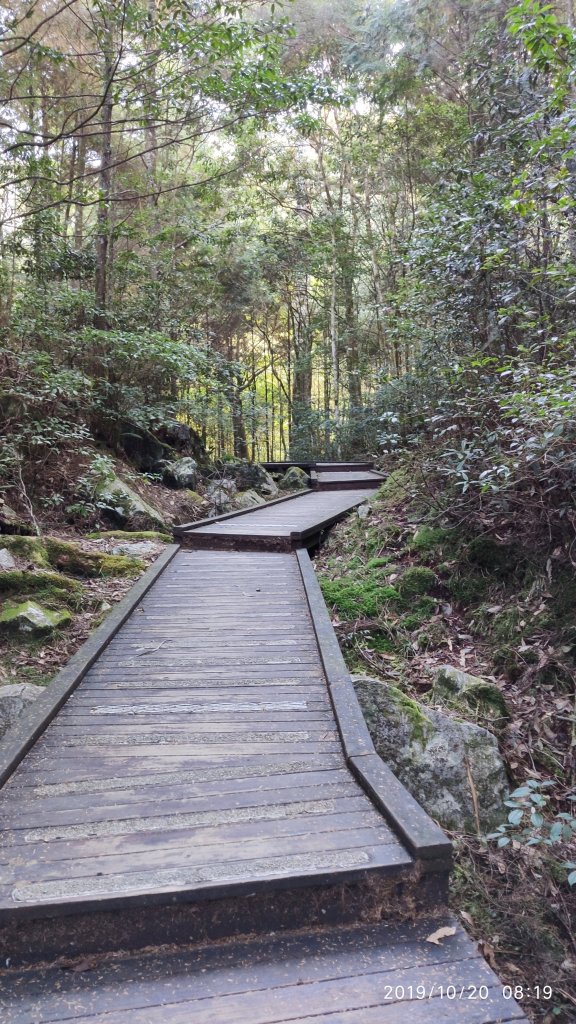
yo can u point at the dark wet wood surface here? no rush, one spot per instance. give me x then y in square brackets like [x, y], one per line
[360, 975]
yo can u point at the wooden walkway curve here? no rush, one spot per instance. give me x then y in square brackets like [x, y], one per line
[199, 778]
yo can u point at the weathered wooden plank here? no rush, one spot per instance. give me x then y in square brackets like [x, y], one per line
[283, 996]
[217, 878]
[190, 855]
[129, 792]
[217, 971]
[167, 838]
[152, 804]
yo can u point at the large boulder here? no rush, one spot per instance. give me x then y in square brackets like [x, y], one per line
[249, 476]
[294, 479]
[183, 439]
[221, 494]
[181, 474]
[13, 700]
[452, 767]
[125, 506]
[248, 499]
[6, 560]
[32, 619]
[143, 449]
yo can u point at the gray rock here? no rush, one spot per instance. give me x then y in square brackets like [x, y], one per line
[11, 520]
[116, 498]
[134, 548]
[294, 479]
[363, 511]
[183, 439]
[249, 476]
[181, 474]
[6, 560]
[31, 618]
[13, 700]
[142, 448]
[220, 494]
[445, 763]
[248, 499]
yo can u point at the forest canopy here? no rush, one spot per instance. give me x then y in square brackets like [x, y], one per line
[305, 229]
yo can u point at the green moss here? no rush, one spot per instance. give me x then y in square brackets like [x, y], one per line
[378, 563]
[489, 554]
[33, 549]
[48, 587]
[468, 588]
[353, 599]
[194, 498]
[420, 725]
[73, 559]
[416, 580]
[31, 619]
[421, 613]
[506, 624]
[152, 535]
[395, 488]
[563, 603]
[432, 539]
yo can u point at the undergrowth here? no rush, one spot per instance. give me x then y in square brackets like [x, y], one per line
[410, 590]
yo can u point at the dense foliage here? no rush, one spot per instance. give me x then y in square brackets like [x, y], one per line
[304, 229]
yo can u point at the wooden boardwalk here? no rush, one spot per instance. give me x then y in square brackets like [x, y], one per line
[203, 777]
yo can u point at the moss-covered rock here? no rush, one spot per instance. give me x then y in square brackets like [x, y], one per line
[416, 581]
[470, 694]
[10, 521]
[294, 479]
[32, 549]
[121, 502]
[437, 757]
[71, 558]
[47, 583]
[46, 552]
[247, 499]
[32, 619]
[194, 498]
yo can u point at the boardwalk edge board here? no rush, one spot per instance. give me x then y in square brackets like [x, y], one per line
[184, 528]
[37, 717]
[423, 838]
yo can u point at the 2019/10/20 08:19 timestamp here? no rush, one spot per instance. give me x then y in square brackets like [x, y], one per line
[396, 993]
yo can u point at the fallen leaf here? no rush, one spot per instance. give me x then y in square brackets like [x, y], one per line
[439, 934]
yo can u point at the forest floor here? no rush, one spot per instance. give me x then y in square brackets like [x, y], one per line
[493, 612]
[85, 587]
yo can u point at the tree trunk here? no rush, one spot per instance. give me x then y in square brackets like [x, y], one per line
[105, 187]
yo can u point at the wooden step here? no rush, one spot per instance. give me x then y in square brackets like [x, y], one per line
[370, 974]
